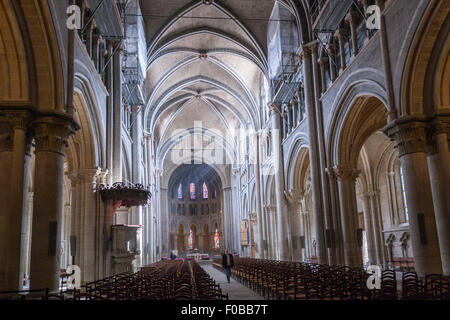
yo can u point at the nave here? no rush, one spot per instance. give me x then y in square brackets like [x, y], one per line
[309, 142]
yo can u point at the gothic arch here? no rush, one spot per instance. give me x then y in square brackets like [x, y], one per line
[33, 62]
[297, 156]
[426, 73]
[361, 117]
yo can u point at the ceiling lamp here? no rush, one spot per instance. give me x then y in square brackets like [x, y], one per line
[208, 2]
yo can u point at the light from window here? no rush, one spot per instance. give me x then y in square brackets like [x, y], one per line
[217, 240]
[180, 191]
[192, 191]
[191, 240]
[205, 191]
[404, 194]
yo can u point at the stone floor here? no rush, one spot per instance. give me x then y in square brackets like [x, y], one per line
[235, 290]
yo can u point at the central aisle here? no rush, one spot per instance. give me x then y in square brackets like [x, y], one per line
[235, 290]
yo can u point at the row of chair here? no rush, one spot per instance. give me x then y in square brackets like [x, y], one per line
[164, 280]
[299, 280]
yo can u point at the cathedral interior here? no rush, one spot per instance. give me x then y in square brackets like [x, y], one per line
[144, 138]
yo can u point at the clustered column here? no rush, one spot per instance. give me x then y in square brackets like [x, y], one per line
[347, 199]
[410, 136]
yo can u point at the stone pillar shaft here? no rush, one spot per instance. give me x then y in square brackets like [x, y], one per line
[347, 196]
[51, 135]
[439, 168]
[351, 18]
[369, 228]
[282, 220]
[410, 136]
[259, 214]
[340, 36]
[117, 117]
[314, 154]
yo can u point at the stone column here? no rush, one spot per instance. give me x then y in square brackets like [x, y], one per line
[439, 167]
[83, 215]
[89, 38]
[117, 117]
[340, 35]
[332, 65]
[323, 81]
[409, 134]
[322, 165]
[294, 107]
[95, 49]
[377, 225]
[136, 155]
[314, 153]
[14, 145]
[274, 244]
[294, 198]
[284, 125]
[300, 100]
[259, 213]
[336, 232]
[351, 19]
[288, 118]
[282, 219]
[109, 82]
[385, 57]
[6, 154]
[347, 198]
[227, 216]
[51, 136]
[371, 246]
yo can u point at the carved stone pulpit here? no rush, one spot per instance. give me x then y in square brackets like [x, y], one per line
[125, 247]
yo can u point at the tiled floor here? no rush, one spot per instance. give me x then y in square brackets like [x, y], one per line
[235, 290]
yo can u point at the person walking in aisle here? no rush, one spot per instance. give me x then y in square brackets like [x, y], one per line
[227, 264]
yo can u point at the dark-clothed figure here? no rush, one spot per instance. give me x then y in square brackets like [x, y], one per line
[227, 264]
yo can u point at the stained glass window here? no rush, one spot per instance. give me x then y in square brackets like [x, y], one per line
[217, 240]
[180, 191]
[191, 240]
[215, 194]
[205, 191]
[192, 191]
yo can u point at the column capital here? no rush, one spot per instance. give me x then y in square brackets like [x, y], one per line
[84, 175]
[409, 134]
[339, 33]
[436, 126]
[351, 16]
[309, 48]
[274, 107]
[6, 135]
[323, 61]
[294, 196]
[11, 120]
[345, 173]
[52, 133]
[331, 48]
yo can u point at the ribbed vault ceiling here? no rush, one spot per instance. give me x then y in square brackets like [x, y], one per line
[205, 70]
